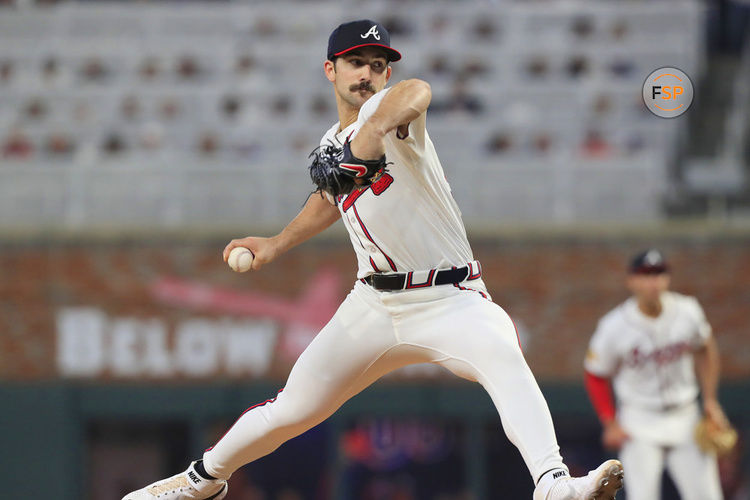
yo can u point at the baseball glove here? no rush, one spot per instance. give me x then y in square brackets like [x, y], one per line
[713, 438]
[337, 171]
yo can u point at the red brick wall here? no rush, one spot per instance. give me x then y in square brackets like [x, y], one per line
[556, 290]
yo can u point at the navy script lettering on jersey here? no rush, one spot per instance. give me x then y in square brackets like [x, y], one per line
[662, 356]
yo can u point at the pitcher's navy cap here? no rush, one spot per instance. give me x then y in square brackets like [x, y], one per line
[362, 33]
[649, 261]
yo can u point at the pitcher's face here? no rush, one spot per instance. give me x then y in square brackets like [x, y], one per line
[358, 74]
[648, 287]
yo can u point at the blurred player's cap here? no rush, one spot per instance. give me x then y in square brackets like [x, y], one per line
[649, 261]
[362, 33]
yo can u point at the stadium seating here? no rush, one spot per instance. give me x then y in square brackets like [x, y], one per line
[155, 115]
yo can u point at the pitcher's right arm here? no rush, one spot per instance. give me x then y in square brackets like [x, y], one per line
[317, 215]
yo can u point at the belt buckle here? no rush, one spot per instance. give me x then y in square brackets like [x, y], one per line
[388, 281]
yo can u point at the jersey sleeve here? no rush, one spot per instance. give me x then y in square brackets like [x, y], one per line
[602, 358]
[413, 143]
[703, 329]
[417, 132]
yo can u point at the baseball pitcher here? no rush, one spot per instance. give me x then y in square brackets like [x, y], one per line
[658, 350]
[419, 295]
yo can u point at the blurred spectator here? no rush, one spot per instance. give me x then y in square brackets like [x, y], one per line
[281, 106]
[582, 26]
[59, 144]
[320, 105]
[300, 143]
[130, 108]
[230, 106]
[245, 147]
[438, 24]
[114, 144]
[460, 101]
[619, 30]
[537, 67]
[397, 26]
[577, 66]
[49, 68]
[247, 75]
[36, 108]
[208, 143]
[188, 67]
[265, 27]
[244, 65]
[475, 67]
[149, 68]
[541, 143]
[484, 29]
[634, 143]
[602, 105]
[621, 68]
[439, 65]
[52, 76]
[94, 70]
[595, 146]
[499, 143]
[169, 108]
[6, 71]
[17, 145]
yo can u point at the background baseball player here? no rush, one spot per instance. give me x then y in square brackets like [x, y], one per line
[419, 296]
[658, 349]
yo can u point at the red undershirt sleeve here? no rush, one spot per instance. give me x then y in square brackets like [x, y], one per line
[600, 393]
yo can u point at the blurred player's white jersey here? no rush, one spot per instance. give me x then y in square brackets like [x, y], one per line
[429, 234]
[650, 359]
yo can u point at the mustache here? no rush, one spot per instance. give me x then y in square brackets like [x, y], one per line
[362, 86]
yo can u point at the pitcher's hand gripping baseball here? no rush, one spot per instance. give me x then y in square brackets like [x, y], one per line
[263, 250]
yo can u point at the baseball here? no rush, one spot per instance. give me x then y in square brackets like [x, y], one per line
[240, 259]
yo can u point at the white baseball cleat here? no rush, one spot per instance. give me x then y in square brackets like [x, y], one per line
[602, 483]
[188, 485]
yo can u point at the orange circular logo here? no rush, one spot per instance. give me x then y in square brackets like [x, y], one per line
[668, 92]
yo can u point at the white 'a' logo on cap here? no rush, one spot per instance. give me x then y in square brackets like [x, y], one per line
[372, 31]
[653, 257]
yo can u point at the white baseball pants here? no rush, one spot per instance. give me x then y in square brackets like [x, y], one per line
[373, 333]
[695, 474]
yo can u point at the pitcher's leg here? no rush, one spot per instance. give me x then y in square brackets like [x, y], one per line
[487, 350]
[644, 464]
[695, 473]
[338, 358]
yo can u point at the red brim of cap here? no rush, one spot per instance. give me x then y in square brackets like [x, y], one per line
[393, 54]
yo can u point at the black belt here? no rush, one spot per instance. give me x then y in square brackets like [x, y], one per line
[405, 281]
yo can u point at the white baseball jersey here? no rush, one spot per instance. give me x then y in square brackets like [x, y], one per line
[650, 359]
[430, 233]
